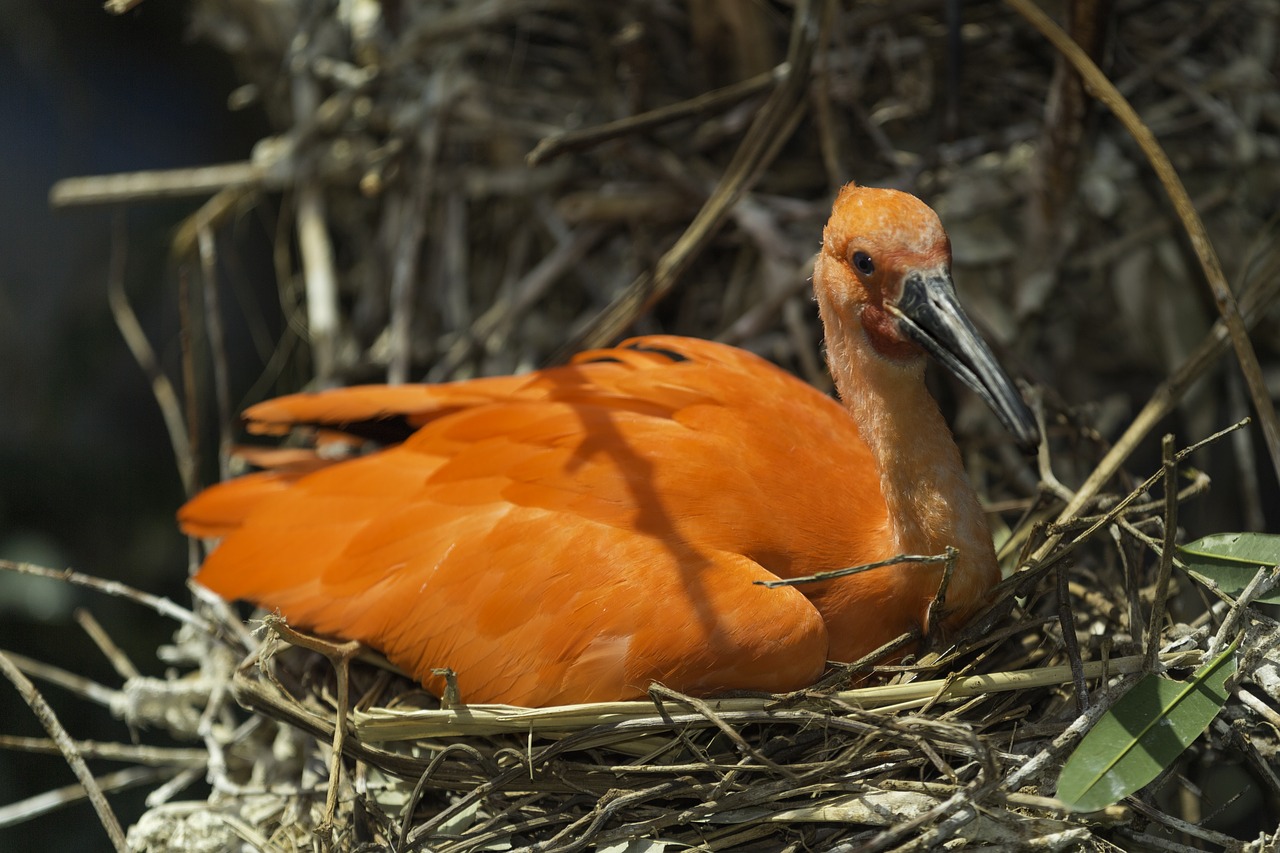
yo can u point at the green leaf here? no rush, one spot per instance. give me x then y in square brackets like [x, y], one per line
[1232, 559]
[1142, 734]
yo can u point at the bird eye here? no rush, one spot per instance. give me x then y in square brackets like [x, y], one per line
[862, 263]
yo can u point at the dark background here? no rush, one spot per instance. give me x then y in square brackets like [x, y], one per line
[87, 479]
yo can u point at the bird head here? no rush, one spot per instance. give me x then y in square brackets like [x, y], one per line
[885, 272]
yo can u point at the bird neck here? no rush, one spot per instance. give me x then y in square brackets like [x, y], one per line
[927, 494]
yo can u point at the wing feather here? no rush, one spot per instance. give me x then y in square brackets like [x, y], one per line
[570, 535]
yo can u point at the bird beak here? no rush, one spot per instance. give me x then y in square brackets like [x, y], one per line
[929, 314]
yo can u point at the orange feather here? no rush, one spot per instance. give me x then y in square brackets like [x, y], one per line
[579, 532]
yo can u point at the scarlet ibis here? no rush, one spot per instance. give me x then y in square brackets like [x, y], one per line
[579, 532]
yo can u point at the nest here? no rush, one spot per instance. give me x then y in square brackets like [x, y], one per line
[473, 188]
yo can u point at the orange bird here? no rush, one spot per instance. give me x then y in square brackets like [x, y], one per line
[576, 533]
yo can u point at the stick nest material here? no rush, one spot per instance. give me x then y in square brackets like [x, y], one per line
[472, 188]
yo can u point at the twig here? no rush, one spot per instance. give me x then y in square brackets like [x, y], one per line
[1263, 582]
[119, 660]
[314, 245]
[213, 214]
[1107, 254]
[1124, 504]
[856, 570]
[1262, 709]
[1066, 619]
[161, 388]
[190, 402]
[154, 185]
[247, 833]
[163, 606]
[1263, 765]
[217, 347]
[1044, 459]
[119, 7]
[1054, 176]
[823, 112]
[340, 655]
[82, 686]
[958, 807]
[151, 756]
[843, 671]
[461, 20]
[179, 781]
[660, 693]
[321, 282]
[1147, 841]
[387, 725]
[708, 102]
[404, 269]
[760, 316]
[1051, 551]
[1050, 755]
[1155, 625]
[1246, 463]
[24, 810]
[411, 805]
[938, 605]
[1137, 622]
[1226, 842]
[67, 747]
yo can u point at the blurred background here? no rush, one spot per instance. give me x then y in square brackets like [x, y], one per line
[1066, 249]
[86, 476]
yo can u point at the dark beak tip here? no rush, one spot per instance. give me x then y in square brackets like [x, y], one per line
[1029, 443]
[930, 314]
[1026, 429]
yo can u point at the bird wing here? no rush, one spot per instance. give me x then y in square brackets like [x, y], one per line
[572, 534]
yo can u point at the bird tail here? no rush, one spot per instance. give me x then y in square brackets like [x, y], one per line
[221, 508]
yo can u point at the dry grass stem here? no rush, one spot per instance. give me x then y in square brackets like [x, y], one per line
[154, 185]
[49, 720]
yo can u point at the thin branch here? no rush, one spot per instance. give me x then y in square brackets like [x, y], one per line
[321, 281]
[154, 185]
[163, 606]
[708, 102]
[74, 683]
[161, 388]
[404, 269]
[217, 347]
[151, 756]
[857, 570]
[1155, 625]
[319, 272]
[938, 605]
[49, 801]
[119, 660]
[119, 7]
[67, 747]
[1263, 582]
[340, 655]
[1067, 621]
